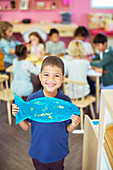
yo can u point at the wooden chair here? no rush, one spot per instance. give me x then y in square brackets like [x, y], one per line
[2, 68]
[6, 94]
[81, 103]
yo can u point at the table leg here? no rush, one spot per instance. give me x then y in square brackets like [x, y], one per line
[97, 94]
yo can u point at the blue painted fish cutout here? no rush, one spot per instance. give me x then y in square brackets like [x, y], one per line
[45, 109]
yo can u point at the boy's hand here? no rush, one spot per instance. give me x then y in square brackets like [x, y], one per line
[15, 109]
[75, 120]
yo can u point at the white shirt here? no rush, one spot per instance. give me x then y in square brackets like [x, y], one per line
[89, 48]
[77, 70]
[39, 49]
[21, 83]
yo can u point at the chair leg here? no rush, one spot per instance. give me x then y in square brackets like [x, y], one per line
[92, 111]
[81, 116]
[9, 112]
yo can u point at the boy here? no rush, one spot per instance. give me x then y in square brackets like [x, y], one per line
[54, 46]
[106, 62]
[49, 141]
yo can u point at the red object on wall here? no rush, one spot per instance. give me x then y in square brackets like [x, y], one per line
[97, 31]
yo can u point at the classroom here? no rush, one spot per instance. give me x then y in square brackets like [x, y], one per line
[56, 85]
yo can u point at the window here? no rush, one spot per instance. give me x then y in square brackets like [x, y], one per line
[103, 4]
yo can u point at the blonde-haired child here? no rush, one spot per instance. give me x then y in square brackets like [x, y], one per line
[7, 43]
[77, 68]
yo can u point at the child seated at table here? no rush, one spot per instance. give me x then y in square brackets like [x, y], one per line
[77, 68]
[81, 33]
[36, 45]
[54, 46]
[106, 62]
[22, 70]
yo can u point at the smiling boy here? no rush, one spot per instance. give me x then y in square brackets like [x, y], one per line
[49, 141]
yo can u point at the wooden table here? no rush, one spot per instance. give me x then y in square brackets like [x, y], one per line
[96, 75]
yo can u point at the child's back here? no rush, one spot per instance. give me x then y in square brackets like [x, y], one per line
[21, 83]
[22, 70]
[78, 67]
[77, 70]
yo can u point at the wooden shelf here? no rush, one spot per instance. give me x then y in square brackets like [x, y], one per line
[47, 5]
[8, 5]
[32, 4]
[65, 30]
[98, 142]
[106, 119]
[90, 143]
[9, 9]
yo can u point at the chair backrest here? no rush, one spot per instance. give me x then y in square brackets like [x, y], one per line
[69, 88]
[2, 68]
[3, 81]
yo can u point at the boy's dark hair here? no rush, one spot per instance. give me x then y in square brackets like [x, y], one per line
[52, 31]
[53, 61]
[21, 50]
[100, 38]
[81, 31]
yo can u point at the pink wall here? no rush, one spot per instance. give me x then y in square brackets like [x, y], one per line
[79, 11]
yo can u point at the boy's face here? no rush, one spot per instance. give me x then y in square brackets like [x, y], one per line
[54, 37]
[51, 79]
[101, 47]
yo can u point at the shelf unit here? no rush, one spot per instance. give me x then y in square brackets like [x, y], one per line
[24, 5]
[90, 143]
[7, 5]
[49, 5]
[65, 30]
[95, 155]
[106, 118]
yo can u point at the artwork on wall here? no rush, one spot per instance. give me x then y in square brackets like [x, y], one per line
[97, 20]
[24, 4]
